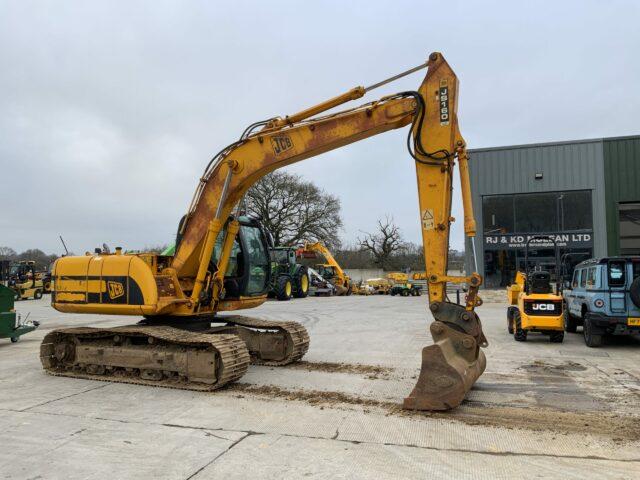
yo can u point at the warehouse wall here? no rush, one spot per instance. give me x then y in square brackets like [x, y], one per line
[622, 182]
[565, 166]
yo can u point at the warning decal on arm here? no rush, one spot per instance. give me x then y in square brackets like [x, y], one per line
[427, 219]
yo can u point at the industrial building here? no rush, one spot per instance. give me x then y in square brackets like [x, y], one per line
[585, 193]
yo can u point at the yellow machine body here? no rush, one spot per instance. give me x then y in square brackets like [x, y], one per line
[525, 302]
[540, 322]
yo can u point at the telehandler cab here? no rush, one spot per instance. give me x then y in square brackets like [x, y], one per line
[221, 261]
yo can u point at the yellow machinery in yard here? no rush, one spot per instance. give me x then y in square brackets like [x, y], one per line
[25, 281]
[330, 270]
[534, 305]
[381, 286]
[221, 260]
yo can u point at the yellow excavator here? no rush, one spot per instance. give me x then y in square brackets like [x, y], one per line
[331, 270]
[221, 260]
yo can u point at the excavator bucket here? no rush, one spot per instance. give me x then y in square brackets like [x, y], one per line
[453, 363]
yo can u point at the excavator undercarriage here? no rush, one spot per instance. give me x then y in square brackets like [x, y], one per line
[166, 356]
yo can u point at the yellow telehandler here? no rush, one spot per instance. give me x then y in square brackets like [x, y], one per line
[330, 270]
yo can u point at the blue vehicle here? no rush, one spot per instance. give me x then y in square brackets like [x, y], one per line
[604, 298]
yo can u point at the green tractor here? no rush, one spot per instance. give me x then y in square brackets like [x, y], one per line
[288, 278]
[406, 289]
[11, 324]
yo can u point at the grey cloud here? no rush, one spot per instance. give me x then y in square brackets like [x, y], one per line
[109, 111]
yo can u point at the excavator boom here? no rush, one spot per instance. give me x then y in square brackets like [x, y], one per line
[214, 267]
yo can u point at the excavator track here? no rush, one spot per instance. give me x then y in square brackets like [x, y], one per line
[147, 355]
[269, 342]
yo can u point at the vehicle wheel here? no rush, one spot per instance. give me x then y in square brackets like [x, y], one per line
[392, 293]
[405, 293]
[570, 322]
[634, 292]
[510, 320]
[418, 292]
[283, 288]
[591, 339]
[519, 334]
[37, 295]
[302, 283]
[556, 337]
[47, 287]
[14, 339]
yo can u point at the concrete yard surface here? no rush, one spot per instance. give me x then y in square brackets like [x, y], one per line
[540, 410]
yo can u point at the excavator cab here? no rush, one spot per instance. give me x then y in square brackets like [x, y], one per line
[249, 269]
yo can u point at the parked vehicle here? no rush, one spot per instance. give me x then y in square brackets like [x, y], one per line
[331, 270]
[534, 304]
[381, 286]
[288, 278]
[319, 287]
[604, 298]
[363, 289]
[406, 289]
[25, 281]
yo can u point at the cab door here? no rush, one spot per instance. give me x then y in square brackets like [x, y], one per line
[572, 298]
[617, 278]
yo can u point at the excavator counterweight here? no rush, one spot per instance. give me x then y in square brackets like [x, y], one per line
[221, 260]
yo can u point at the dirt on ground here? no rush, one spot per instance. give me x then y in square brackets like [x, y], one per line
[542, 367]
[370, 371]
[617, 428]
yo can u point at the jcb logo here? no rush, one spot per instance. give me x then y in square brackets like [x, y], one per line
[281, 143]
[544, 306]
[116, 290]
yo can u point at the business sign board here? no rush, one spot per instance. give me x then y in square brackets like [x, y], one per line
[563, 239]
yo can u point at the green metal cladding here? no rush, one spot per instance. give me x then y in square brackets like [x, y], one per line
[622, 182]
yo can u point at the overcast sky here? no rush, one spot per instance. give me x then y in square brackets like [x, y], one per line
[109, 111]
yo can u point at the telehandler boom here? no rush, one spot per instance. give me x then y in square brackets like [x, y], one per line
[221, 261]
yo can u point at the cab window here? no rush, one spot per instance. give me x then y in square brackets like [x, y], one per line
[583, 278]
[259, 260]
[636, 269]
[576, 278]
[591, 277]
[617, 276]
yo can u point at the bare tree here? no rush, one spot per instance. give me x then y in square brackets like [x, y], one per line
[41, 259]
[295, 210]
[7, 253]
[383, 243]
